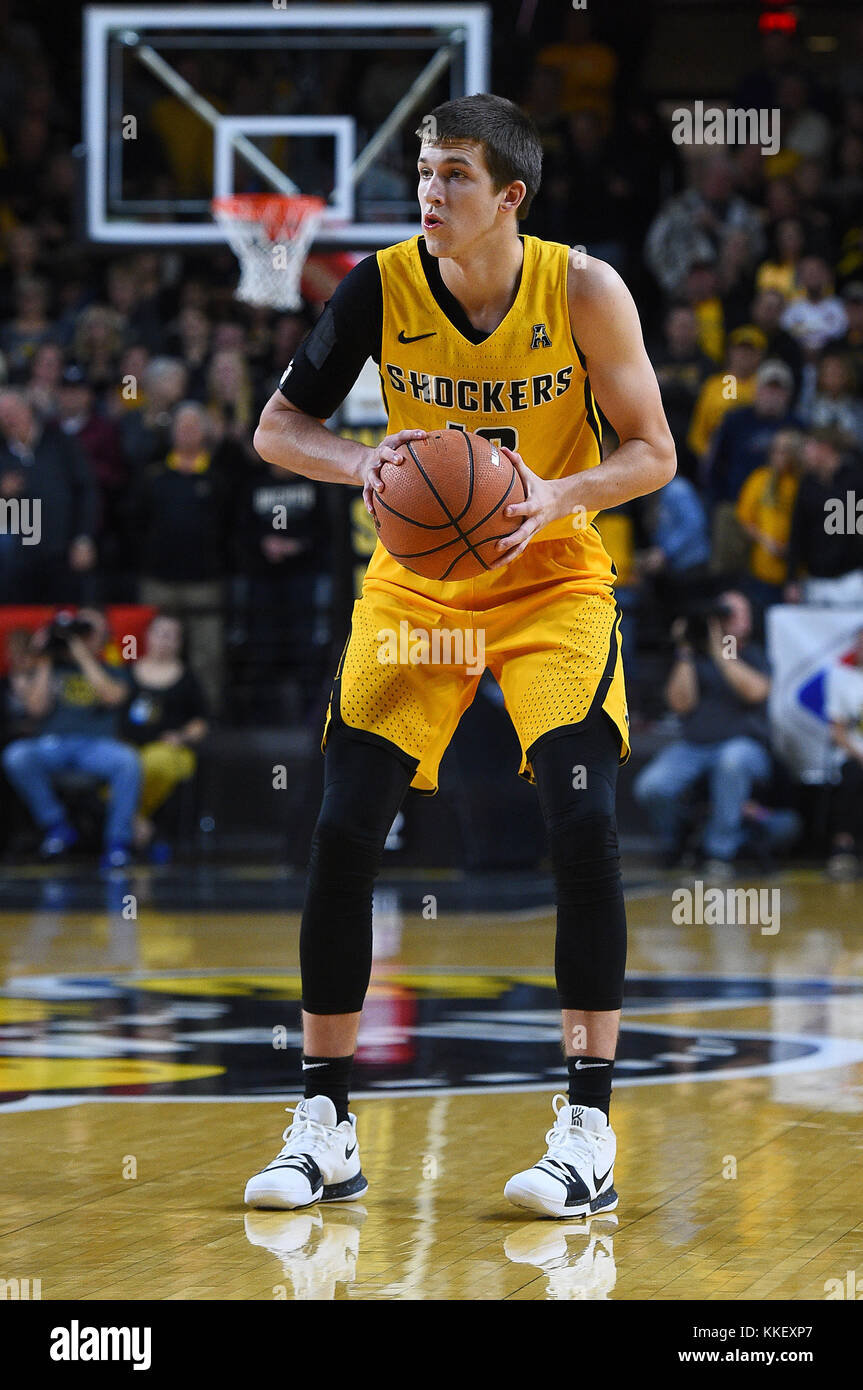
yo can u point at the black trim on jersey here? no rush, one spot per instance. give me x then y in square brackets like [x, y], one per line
[349, 332]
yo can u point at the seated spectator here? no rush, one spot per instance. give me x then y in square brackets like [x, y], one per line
[39, 464]
[189, 339]
[128, 395]
[676, 559]
[721, 392]
[825, 554]
[165, 719]
[718, 686]
[230, 397]
[181, 512]
[701, 293]
[681, 369]
[845, 712]
[764, 511]
[74, 699]
[741, 445]
[837, 403]
[817, 316]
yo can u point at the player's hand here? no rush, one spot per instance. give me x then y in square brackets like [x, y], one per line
[384, 453]
[537, 510]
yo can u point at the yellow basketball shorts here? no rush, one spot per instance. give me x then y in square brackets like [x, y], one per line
[549, 634]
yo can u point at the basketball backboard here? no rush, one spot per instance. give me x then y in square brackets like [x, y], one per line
[185, 103]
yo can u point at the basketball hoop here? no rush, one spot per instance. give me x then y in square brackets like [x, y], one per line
[270, 234]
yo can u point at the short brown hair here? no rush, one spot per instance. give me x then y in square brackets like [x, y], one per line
[509, 139]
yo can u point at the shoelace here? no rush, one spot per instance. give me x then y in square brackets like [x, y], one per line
[303, 1128]
[583, 1141]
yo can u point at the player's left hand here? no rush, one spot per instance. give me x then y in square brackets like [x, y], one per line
[541, 505]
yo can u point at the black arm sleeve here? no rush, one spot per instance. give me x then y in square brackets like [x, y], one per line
[332, 355]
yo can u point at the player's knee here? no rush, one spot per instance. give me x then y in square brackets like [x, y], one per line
[585, 857]
[343, 858]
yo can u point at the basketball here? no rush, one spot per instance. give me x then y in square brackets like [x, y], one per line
[441, 511]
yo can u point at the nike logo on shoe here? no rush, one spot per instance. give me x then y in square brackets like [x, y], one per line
[350, 1152]
[417, 337]
[598, 1181]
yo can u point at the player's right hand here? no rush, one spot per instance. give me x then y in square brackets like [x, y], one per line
[384, 453]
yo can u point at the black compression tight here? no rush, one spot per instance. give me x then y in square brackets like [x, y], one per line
[364, 786]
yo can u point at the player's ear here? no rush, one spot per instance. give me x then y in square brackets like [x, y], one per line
[512, 196]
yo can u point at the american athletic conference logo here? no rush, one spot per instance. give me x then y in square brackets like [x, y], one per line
[223, 1036]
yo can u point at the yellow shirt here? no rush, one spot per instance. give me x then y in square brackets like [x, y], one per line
[767, 501]
[525, 386]
[714, 401]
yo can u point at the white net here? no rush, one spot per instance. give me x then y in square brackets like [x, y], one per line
[270, 235]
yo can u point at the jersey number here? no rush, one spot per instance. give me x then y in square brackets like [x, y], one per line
[502, 435]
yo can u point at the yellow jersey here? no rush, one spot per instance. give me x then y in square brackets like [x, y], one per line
[525, 386]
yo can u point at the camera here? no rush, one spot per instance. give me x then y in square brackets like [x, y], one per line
[697, 616]
[63, 626]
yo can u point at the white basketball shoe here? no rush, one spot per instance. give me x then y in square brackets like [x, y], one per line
[320, 1161]
[575, 1176]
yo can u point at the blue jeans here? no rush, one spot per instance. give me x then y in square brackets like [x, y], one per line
[31, 763]
[732, 766]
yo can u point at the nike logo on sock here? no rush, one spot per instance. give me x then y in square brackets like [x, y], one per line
[310, 1066]
[583, 1066]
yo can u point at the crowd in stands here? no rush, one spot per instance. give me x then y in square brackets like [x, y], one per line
[130, 385]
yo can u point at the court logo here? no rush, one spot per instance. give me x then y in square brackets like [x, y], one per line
[209, 1036]
[540, 336]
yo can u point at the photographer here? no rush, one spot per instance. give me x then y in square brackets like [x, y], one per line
[718, 687]
[75, 699]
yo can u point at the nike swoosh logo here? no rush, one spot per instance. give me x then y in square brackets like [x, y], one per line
[597, 1181]
[417, 338]
[584, 1066]
[310, 1066]
[348, 1153]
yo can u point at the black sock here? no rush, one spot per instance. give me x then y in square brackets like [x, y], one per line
[590, 1081]
[328, 1076]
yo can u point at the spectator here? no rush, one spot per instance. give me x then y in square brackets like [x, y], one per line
[75, 697]
[189, 339]
[43, 384]
[165, 719]
[718, 687]
[852, 342]
[681, 370]
[99, 440]
[817, 316]
[146, 432]
[825, 554]
[39, 464]
[694, 225]
[99, 340]
[677, 557]
[764, 511]
[768, 307]
[281, 534]
[181, 511]
[836, 402]
[230, 397]
[781, 271]
[29, 328]
[845, 712]
[721, 392]
[588, 68]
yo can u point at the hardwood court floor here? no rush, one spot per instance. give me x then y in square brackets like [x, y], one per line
[141, 1083]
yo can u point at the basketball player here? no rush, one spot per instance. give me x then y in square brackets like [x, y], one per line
[475, 326]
